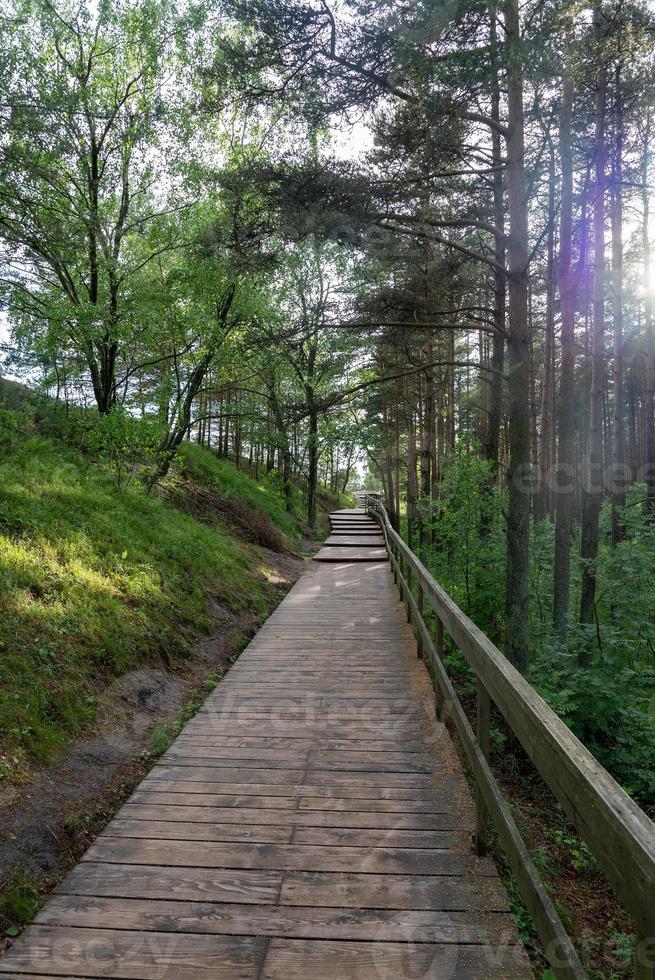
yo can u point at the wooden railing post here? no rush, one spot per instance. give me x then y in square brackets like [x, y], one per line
[419, 639]
[438, 691]
[408, 579]
[482, 726]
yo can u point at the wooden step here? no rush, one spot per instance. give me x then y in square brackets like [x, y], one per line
[332, 554]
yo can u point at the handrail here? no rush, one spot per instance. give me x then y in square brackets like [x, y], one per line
[618, 833]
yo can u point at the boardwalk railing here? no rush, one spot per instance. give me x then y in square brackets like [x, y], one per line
[617, 832]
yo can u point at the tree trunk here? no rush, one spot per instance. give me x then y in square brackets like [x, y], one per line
[592, 497]
[543, 500]
[282, 440]
[312, 458]
[492, 445]
[565, 483]
[411, 480]
[649, 399]
[427, 443]
[180, 423]
[518, 258]
[618, 431]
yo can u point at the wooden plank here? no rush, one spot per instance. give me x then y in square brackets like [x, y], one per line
[372, 714]
[154, 810]
[293, 857]
[353, 519]
[355, 541]
[337, 530]
[375, 715]
[222, 832]
[177, 796]
[199, 756]
[320, 777]
[317, 889]
[383, 891]
[334, 518]
[290, 959]
[379, 837]
[129, 953]
[190, 884]
[265, 833]
[389, 704]
[404, 761]
[268, 920]
[337, 519]
[158, 793]
[343, 515]
[351, 746]
[350, 526]
[401, 730]
[351, 554]
[328, 692]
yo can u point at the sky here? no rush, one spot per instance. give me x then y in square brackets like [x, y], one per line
[4, 336]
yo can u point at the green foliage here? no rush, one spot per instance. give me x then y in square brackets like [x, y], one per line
[580, 857]
[626, 593]
[164, 735]
[127, 445]
[161, 740]
[624, 946]
[610, 705]
[87, 86]
[20, 900]
[468, 535]
[522, 918]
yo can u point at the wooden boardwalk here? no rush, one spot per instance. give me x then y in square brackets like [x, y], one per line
[310, 822]
[354, 537]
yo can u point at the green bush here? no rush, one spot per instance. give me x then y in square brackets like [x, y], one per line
[610, 705]
[127, 445]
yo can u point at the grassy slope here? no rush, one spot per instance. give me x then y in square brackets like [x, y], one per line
[94, 582]
[205, 469]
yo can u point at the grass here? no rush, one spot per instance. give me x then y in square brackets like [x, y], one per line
[19, 903]
[163, 736]
[205, 468]
[262, 495]
[95, 582]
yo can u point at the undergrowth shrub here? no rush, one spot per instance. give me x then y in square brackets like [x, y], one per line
[127, 445]
[609, 705]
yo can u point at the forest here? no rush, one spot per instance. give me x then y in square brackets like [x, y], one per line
[403, 245]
